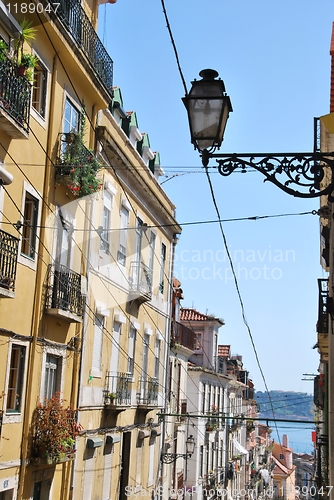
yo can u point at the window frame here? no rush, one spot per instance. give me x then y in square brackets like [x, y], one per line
[60, 353]
[74, 107]
[29, 229]
[15, 416]
[108, 202]
[131, 351]
[122, 247]
[99, 325]
[22, 257]
[40, 90]
[47, 372]
[163, 257]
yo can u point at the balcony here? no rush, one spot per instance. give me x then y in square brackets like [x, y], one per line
[324, 301]
[148, 392]
[64, 296]
[8, 263]
[140, 280]
[118, 390]
[248, 393]
[15, 95]
[183, 335]
[78, 27]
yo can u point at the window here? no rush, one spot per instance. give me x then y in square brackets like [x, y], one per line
[203, 398]
[198, 341]
[71, 117]
[146, 343]
[29, 229]
[157, 358]
[64, 239]
[7, 494]
[162, 268]
[15, 381]
[38, 101]
[151, 255]
[106, 221]
[97, 348]
[42, 490]
[131, 351]
[121, 255]
[52, 375]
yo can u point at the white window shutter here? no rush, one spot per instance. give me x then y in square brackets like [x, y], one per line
[106, 495]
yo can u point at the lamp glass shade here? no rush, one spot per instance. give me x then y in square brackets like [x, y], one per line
[190, 445]
[208, 109]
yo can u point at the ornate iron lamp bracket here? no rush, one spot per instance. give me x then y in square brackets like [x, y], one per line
[168, 458]
[307, 171]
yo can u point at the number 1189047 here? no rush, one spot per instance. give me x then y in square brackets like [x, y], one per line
[32, 8]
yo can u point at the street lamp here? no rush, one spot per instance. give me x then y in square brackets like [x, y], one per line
[208, 109]
[168, 458]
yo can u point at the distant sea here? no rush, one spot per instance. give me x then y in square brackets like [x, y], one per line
[300, 436]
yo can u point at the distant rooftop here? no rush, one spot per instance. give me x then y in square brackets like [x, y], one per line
[190, 314]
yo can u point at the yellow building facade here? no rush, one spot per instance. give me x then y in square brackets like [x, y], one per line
[86, 248]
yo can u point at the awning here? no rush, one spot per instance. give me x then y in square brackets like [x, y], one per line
[239, 447]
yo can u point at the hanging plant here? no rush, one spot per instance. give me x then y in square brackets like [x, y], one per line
[78, 166]
[55, 430]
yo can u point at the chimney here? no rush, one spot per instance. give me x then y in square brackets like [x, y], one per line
[331, 105]
[285, 441]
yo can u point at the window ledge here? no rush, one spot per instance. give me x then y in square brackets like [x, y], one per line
[12, 418]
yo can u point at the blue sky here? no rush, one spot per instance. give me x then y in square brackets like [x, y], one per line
[274, 59]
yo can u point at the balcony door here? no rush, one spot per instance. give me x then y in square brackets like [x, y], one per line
[144, 377]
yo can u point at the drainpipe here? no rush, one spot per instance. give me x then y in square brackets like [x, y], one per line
[38, 292]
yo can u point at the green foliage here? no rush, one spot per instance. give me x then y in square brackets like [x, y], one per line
[3, 51]
[27, 35]
[79, 166]
[28, 60]
[288, 404]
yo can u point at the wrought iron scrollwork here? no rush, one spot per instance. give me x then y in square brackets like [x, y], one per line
[302, 170]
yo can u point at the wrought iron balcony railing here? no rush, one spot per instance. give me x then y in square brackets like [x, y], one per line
[140, 280]
[8, 260]
[78, 25]
[148, 392]
[183, 335]
[15, 93]
[118, 389]
[64, 290]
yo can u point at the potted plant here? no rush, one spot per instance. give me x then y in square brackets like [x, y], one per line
[78, 167]
[27, 64]
[27, 35]
[112, 397]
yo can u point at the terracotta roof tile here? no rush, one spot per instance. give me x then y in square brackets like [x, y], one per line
[190, 314]
[224, 351]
